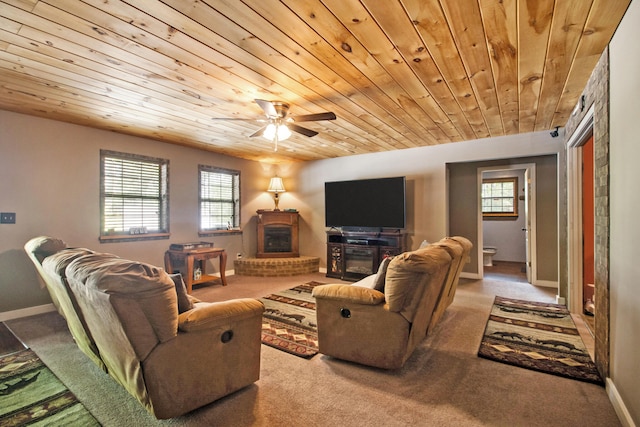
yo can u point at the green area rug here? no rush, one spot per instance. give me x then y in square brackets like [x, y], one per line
[289, 320]
[31, 394]
[538, 336]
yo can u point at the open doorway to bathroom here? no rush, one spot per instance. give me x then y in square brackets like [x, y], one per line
[505, 222]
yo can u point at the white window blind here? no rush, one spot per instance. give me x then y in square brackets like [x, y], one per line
[134, 194]
[219, 198]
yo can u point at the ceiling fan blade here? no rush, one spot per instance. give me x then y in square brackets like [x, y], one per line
[267, 107]
[314, 117]
[235, 119]
[259, 132]
[300, 129]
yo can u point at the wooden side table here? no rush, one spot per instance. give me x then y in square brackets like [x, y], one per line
[187, 258]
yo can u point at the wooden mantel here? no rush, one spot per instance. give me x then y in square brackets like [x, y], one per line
[277, 234]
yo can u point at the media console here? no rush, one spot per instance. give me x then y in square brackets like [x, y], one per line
[354, 255]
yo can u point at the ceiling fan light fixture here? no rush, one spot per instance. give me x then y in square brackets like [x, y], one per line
[282, 131]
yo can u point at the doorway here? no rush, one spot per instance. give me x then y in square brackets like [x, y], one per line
[510, 239]
[581, 211]
[581, 215]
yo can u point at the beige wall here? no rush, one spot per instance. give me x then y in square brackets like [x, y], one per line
[624, 153]
[425, 169]
[49, 176]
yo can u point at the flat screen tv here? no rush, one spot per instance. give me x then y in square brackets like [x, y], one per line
[365, 203]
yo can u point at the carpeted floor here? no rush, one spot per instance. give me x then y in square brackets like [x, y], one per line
[539, 336]
[9, 343]
[444, 383]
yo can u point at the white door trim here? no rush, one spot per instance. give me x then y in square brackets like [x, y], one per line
[574, 210]
[531, 167]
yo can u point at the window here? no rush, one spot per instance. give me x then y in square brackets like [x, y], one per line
[500, 197]
[219, 199]
[134, 197]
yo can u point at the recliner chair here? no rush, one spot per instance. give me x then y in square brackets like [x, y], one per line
[382, 329]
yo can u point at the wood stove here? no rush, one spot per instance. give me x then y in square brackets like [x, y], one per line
[277, 234]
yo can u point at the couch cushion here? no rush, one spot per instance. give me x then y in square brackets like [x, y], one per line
[406, 272]
[348, 293]
[379, 281]
[81, 269]
[368, 282]
[43, 246]
[207, 315]
[184, 303]
[57, 263]
[148, 286]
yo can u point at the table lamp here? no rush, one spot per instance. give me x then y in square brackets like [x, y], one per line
[276, 186]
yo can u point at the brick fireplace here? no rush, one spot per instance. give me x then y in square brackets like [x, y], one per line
[277, 234]
[278, 250]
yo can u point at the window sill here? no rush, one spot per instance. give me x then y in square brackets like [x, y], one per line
[220, 232]
[132, 237]
[495, 216]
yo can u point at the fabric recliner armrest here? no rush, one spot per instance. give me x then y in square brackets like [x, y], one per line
[349, 293]
[211, 315]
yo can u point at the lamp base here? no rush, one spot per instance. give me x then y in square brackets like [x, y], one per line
[276, 200]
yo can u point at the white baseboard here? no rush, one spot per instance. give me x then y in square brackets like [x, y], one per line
[474, 276]
[26, 312]
[546, 284]
[618, 405]
[561, 300]
[322, 270]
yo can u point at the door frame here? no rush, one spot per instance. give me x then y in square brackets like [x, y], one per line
[530, 169]
[583, 132]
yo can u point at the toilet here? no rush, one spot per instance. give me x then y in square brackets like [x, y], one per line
[487, 254]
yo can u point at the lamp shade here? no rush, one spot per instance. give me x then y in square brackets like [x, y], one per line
[276, 185]
[271, 130]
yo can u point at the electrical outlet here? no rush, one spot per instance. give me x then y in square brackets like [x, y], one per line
[7, 218]
[238, 255]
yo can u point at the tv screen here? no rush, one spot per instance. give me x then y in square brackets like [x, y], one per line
[371, 203]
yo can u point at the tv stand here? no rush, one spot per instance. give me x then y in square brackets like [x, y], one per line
[369, 230]
[353, 255]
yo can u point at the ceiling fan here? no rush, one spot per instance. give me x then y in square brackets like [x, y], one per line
[278, 126]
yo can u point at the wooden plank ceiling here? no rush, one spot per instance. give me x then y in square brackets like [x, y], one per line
[397, 73]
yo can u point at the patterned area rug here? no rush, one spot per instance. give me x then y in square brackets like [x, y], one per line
[289, 320]
[537, 336]
[31, 394]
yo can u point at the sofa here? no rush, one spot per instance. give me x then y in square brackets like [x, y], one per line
[380, 320]
[169, 350]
